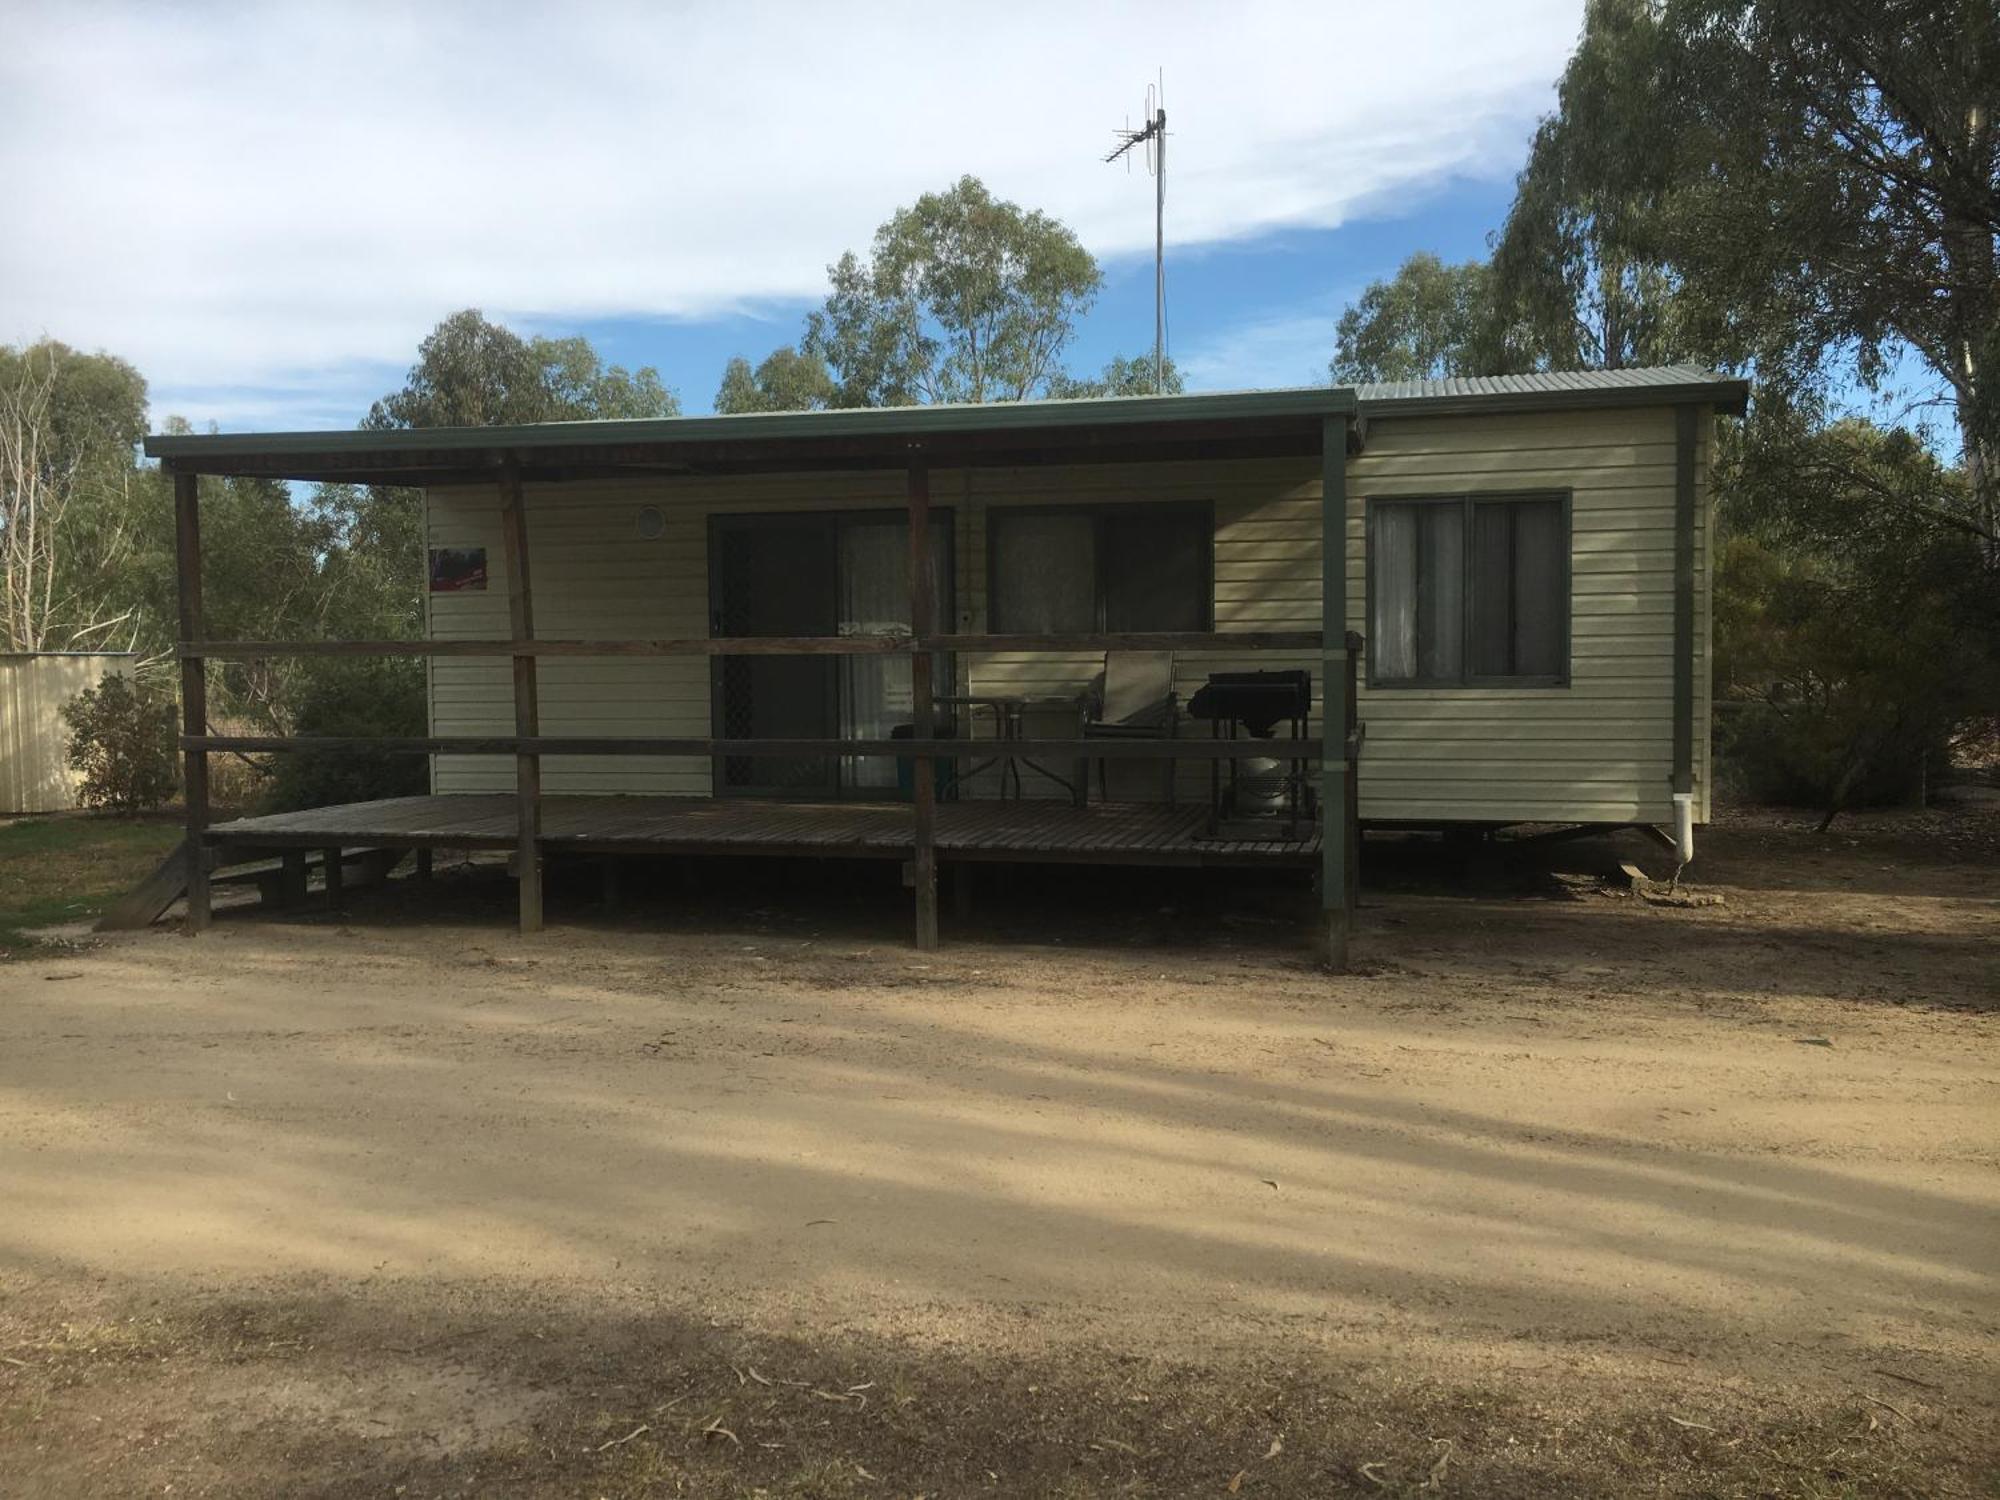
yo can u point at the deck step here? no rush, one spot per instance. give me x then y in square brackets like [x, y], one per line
[145, 904]
[142, 905]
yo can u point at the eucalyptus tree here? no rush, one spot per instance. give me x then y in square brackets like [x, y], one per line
[1817, 187]
[961, 297]
[785, 380]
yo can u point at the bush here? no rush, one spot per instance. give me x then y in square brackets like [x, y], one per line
[342, 696]
[121, 740]
[1790, 756]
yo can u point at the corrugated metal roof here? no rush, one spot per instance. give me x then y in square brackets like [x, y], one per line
[215, 452]
[1558, 388]
[867, 422]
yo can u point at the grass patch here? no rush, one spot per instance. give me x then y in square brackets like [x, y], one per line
[632, 1406]
[66, 869]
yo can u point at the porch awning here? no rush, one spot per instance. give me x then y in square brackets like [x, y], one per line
[1112, 429]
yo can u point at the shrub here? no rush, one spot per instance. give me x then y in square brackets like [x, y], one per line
[121, 741]
[353, 696]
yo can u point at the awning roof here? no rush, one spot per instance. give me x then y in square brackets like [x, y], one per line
[1242, 423]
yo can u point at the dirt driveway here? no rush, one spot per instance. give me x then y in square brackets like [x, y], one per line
[1566, 1193]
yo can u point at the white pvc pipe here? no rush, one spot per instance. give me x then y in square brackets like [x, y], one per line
[1684, 826]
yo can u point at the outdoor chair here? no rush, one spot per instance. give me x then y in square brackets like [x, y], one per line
[1134, 699]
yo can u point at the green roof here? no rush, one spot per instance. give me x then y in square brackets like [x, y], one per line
[1555, 390]
[869, 422]
[1117, 426]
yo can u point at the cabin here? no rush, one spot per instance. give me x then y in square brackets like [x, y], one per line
[1218, 630]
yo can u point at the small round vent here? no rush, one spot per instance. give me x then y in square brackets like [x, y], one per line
[652, 524]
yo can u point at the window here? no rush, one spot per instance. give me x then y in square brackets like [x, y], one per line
[1469, 589]
[1077, 571]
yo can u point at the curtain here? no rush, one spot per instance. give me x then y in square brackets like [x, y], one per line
[1044, 574]
[1155, 569]
[1392, 612]
[1518, 594]
[1540, 595]
[874, 599]
[1417, 614]
[1441, 592]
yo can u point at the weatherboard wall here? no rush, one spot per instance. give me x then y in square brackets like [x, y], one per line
[1597, 750]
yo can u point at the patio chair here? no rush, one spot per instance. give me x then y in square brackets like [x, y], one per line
[1134, 699]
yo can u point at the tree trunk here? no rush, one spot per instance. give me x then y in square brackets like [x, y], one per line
[1975, 299]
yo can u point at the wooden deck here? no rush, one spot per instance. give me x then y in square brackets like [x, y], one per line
[1023, 831]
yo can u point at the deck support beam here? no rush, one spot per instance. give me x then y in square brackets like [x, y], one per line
[1335, 670]
[923, 708]
[194, 694]
[527, 704]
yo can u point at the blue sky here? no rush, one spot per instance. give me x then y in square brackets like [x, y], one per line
[266, 206]
[1240, 314]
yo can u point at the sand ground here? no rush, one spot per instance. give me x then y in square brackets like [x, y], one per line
[1563, 1188]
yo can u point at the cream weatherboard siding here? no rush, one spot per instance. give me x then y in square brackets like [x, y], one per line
[1596, 751]
[1600, 749]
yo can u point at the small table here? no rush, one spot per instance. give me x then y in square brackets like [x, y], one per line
[1010, 712]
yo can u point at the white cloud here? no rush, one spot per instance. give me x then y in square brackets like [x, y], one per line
[1274, 349]
[277, 196]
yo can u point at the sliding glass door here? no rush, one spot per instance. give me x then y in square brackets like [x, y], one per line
[815, 575]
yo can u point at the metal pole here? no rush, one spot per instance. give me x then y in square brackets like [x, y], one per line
[1160, 258]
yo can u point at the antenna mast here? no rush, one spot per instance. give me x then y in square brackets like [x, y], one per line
[1153, 136]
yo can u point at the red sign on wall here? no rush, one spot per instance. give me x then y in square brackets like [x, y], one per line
[456, 568]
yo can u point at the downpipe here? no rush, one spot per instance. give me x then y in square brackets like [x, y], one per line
[1683, 830]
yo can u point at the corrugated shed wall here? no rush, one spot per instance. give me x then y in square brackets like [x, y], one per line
[1597, 750]
[34, 742]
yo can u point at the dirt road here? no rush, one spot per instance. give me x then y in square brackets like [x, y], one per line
[307, 1204]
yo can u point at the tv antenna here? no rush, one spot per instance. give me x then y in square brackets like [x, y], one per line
[1153, 137]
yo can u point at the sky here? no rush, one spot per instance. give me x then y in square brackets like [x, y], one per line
[266, 207]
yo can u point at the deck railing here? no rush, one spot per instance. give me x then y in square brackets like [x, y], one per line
[1334, 646]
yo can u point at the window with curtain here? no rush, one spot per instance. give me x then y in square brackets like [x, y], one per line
[1469, 589]
[1080, 570]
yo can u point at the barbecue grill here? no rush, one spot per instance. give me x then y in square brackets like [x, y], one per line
[1262, 797]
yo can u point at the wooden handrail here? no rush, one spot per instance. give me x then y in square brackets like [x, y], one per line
[807, 645]
[514, 744]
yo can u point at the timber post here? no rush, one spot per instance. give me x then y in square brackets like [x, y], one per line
[923, 625]
[527, 705]
[1335, 675]
[194, 693]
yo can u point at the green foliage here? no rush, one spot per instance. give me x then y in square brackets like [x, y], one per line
[1573, 278]
[73, 526]
[1131, 376]
[472, 372]
[786, 381]
[1858, 632]
[1799, 191]
[99, 401]
[1428, 321]
[963, 297]
[1819, 185]
[122, 744]
[352, 696]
